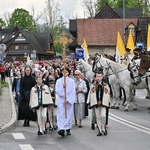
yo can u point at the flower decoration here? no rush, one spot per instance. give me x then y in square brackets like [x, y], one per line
[106, 90]
[43, 89]
[93, 89]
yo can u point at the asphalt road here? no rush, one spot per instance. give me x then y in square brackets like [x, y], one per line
[126, 131]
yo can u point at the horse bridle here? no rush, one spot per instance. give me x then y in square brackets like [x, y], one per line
[109, 67]
[130, 69]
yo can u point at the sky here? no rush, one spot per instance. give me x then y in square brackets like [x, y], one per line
[70, 9]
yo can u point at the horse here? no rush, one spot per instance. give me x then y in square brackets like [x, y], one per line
[115, 87]
[144, 65]
[86, 68]
[113, 82]
[142, 82]
[122, 73]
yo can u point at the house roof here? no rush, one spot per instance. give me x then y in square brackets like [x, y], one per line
[101, 32]
[109, 12]
[39, 41]
[129, 12]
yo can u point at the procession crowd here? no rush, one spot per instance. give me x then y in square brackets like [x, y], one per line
[48, 93]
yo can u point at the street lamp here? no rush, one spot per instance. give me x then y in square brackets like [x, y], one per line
[34, 55]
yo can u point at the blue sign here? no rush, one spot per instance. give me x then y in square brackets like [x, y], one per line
[79, 53]
[140, 44]
[1, 59]
[25, 53]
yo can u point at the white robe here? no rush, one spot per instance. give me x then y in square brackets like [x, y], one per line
[62, 122]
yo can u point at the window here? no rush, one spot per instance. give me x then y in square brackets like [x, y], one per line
[16, 47]
[3, 36]
[25, 47]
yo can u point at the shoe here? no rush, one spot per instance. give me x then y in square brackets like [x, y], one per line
[50, 129]
[80, 126]
[93, 126]
[68, 132]
[55, 128]
[39, 133]
[45, 132]
[61, 132]
[27, 123]
[105, 132]
[99, 134]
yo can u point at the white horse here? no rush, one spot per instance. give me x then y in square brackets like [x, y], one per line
[121, 72]
[115, 86]
[86, 68]
[142, 82]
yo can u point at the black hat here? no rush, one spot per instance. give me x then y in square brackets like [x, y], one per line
[51, 82]
[128, 49]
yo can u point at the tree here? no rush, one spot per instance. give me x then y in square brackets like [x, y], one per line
[99, 4]
[52, 16]
[54, 22]
[36, 18]
[22, 19]
[90, 8]
[2, 23]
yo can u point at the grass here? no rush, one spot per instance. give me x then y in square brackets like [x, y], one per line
[4, 84]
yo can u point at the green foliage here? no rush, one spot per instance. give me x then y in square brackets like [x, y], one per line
[2, 23]
[22, 18]
[144, 4]
[128, 4]
[4, 84]
[58, 48]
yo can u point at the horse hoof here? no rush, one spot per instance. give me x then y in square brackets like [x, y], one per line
[112, 107]
[148, 108]
[147, 97]
[126, 110]
[134, 109]
[117, 107]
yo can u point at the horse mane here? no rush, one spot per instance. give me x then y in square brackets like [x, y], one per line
[109, 57]
[113, 62]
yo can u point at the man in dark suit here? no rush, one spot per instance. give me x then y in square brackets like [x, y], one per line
[86, 94]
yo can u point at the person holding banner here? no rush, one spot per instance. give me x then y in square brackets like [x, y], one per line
[65, 88]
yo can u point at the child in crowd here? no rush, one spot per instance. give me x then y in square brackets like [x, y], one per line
[40, 100]
[52, 111]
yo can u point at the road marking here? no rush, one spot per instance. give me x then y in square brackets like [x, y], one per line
[26, 147]
[18, 136]
[130, 124]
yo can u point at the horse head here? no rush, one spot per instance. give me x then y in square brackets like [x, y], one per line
[144, 64]
[80, 66]
[133, 67]
[96, 63]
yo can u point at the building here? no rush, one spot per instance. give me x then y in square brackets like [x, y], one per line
[100, 32]
[21, 43]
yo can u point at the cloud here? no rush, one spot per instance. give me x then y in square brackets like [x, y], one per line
[69, 8]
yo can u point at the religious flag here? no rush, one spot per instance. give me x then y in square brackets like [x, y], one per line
[130, 42]
[86, 51]
[120, 49]
[148, 38]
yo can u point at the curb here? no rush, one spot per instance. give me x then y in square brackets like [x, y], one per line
[13, 119]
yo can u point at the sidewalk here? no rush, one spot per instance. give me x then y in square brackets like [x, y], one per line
[8, 114]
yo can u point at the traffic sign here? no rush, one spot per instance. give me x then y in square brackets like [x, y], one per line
[2, 47]
[79, 53]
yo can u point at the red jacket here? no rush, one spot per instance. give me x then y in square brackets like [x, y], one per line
[2, 69]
